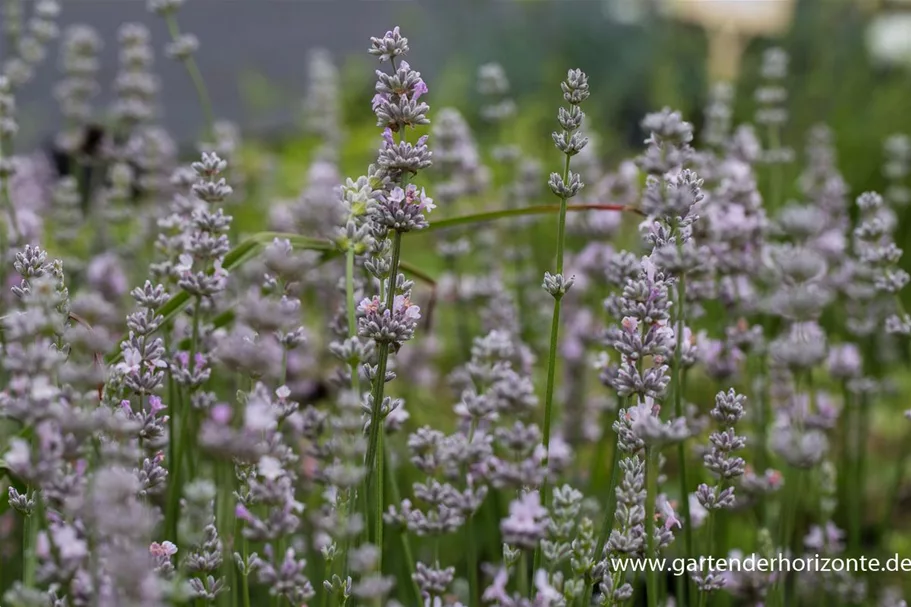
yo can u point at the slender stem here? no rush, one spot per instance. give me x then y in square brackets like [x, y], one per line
[522, 566]
[610, 509]
[352, 321]
[651, 494]
[463, 334]
[176, 473]
[552, 354]
[183, 447]
[5, 197]
[225, 520]
[283, 376]
[561, 225]
[199, 84]
[29, 552]
[13, 12]
[777, 168]
[541, 209]
[548, 411]
[596, 479]
[188, 441]
[244, 582]
[683, 582]
[551, 373]
[788, 515]
[378, 496]
[355, 380]
[472, 562]
[517, 252]
[396, 498]
[860, 467]
[379, 383]
[710, 542]
[849, 459]
[897, 480]
[762, 409]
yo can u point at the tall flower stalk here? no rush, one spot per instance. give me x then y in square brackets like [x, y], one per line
[182, 48]
[201, 275]
[390, 318]
[570, 141]
[8, 128]
[726, 467]
[670, 199]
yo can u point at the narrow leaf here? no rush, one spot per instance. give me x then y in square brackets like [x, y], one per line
[543, 209]
[248, 249]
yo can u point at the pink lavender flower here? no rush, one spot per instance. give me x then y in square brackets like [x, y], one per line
[382, 325]
[164, 549]
[221, 414]
[155, 405]
[526, 524]
[390, 46]
[667, 513]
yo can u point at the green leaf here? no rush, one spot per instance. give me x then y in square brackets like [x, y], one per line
[542, 209]
[235, 258]
[418, 273]
[246, 250]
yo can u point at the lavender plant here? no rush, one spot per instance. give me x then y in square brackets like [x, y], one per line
[570, 142]
[223, 434]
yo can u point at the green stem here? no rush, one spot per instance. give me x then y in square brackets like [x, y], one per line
[710, 542]
[552, 355]
[352, 319]
[541, 209]
[551, 374]
[182, 449]
[522, 571]
[244, 582]
[13, 11]
[378, 496]
[681, 446]
[472, 562]
[225, 520]
[523, 257]
[463, 333]
[788, 516]
[777, 169]
[379, 384]
[379, 381]
[561, 224]
[350, 305]
[762, 417]
[610, 509]
[897, 481]
[651, 494]
[863, 432]
[596, 478]
[849, 458]
[189, 440]
[396, 498]
[29, 552]
[199, 84]
[176, 472]
[5, 197]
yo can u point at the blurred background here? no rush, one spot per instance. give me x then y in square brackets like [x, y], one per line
[850, 63]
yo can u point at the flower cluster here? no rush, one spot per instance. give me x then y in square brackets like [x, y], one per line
[238, 439]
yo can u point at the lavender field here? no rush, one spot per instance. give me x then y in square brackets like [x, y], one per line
[453, 339]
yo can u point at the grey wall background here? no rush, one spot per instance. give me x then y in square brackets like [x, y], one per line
[271, 38]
